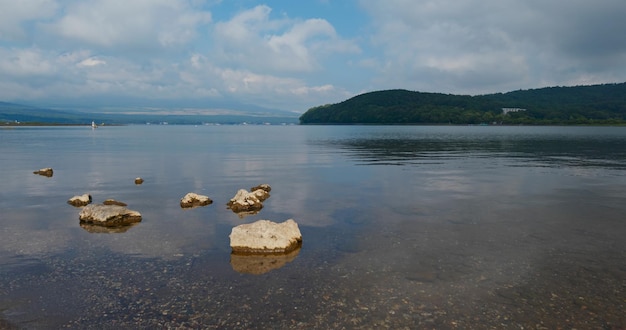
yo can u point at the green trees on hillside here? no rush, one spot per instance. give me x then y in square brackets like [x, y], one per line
[580, 105]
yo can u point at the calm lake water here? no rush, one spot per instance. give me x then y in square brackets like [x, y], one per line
[403, 227]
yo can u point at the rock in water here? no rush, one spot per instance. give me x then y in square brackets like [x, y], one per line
[45, 172]
[261, 194]
[245, 201]
[113, 202]
[263, 186]
[262, 191]
[81, 200]
[265, 237]
[108, 215]
[138, 180]
[193, 200]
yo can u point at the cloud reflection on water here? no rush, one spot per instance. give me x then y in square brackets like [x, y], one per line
[535, 145]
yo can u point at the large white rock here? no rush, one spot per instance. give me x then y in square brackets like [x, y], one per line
[193, 200]
[108, 215]
[80, 200]
[266, 237]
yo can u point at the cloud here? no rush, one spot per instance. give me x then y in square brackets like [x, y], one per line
[293, 57]
[20, 63]
[91, 62]
[253, 40]
[480, 46]
[276, 90]
[15, 14]
[138, 24]
[168, 50]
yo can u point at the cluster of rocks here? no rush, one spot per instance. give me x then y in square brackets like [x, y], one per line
[249, 202]
[111, 213]
[242, 202]
[252, 244]
[111, 216]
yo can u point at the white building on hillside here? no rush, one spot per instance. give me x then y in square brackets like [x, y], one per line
[507, 110]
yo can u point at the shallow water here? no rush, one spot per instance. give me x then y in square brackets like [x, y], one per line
[403, 227]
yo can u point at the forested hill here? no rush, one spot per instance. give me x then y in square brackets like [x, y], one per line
[580, 105]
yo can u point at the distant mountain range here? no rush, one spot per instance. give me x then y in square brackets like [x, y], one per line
[580, 105]
[12, 113]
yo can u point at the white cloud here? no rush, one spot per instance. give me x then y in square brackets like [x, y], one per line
[14, 13]
[273, 90]
[91, 62]
[253, 40]
[138, 24]
[20, 63]
[496, 45]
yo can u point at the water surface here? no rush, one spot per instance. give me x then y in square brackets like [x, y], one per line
[403, 227]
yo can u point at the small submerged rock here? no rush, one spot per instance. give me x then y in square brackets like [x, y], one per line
[261, 194]
[114, 202]
[264, 186]
[266, 237]
[45, 172]
[80, 200]
[194, 200]
[108, 215]
[262, 191]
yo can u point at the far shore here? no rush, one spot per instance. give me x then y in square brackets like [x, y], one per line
[14, 124]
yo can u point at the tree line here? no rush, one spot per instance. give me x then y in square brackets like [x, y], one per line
[579, 105]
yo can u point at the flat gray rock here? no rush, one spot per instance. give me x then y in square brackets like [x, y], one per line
[108, 215]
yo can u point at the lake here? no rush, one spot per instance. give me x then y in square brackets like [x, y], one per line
[404, 227]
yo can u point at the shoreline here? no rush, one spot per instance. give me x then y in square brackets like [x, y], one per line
[30, 124]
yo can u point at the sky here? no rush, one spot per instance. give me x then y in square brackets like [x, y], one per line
[293, 55]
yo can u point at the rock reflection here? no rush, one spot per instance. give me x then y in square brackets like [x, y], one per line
[244, 214]
[95, 229]
[261, 264]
